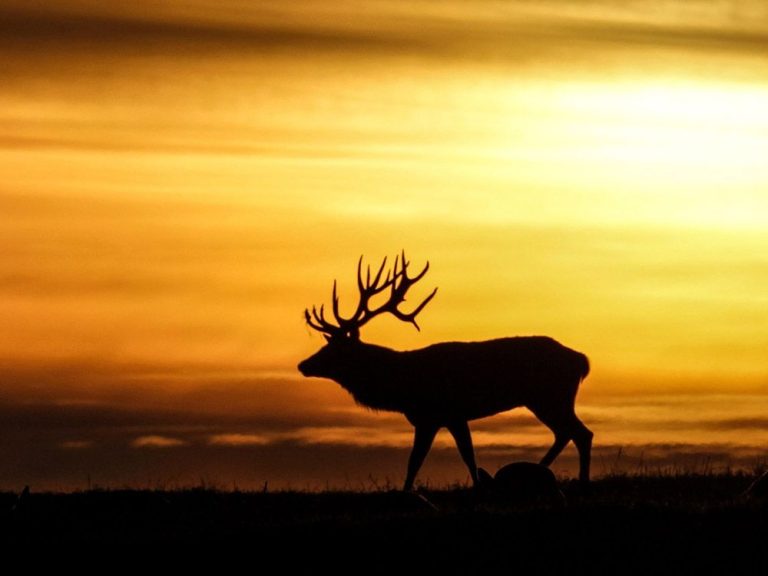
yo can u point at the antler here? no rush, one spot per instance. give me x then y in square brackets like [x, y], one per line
[398, 282]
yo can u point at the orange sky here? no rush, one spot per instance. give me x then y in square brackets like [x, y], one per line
[180, 181]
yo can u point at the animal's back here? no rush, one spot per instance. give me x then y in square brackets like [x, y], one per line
[477, 379]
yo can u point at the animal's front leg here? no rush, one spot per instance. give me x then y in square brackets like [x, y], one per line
[423, 436]
[463, 438]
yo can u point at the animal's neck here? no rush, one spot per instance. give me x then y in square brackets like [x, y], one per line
[370, 376]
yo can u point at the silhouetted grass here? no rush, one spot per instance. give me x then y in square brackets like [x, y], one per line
[625, 524]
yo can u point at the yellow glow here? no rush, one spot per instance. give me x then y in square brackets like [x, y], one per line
[173, 194]
[637, 152]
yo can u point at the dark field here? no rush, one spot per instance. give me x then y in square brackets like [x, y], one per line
[632, 524]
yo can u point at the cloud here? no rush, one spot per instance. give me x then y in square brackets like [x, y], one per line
[353, 436]
[687, 37]
[465, 30]
[76, 444]
[148, 35]
[157, 442]
[749, 423]
[237, 439]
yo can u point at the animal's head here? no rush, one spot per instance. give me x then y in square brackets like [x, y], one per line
[341, 351]
[332, 360]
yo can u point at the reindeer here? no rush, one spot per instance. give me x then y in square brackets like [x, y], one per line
[450, 383]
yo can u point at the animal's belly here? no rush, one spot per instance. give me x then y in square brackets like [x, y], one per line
[469, 403]
[474, 412]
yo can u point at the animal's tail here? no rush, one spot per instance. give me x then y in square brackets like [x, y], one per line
[583, 366]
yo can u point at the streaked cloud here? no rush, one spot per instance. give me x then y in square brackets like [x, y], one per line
[76, 444]
[654, 433]
[155, 441]
[354, 436]
[237, 439]
[492, 27]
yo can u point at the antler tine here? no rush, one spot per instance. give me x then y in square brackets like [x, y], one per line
[308, 319]
[399, 289]
[360, 285]
[317, 321]
[404, 270]
[368, 286]
[418, 276]
[395, 272]
[378, 275]
[335, 304]
[411, 317]
[320, 318]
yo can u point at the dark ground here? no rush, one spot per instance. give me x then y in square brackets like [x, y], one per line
[629, 524]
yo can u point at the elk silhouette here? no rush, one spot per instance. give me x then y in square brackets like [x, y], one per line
[450, 383]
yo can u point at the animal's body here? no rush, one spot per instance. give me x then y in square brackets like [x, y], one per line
[451, 383]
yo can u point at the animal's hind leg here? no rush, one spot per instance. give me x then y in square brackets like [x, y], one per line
[582, 437]
[463, 437]
[556, 423]
[561, 440]
[423, 437]
[567, 426]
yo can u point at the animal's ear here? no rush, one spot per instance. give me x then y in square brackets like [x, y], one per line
[327, 338]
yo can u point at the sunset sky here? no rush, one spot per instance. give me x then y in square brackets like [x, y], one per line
[179, 180]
